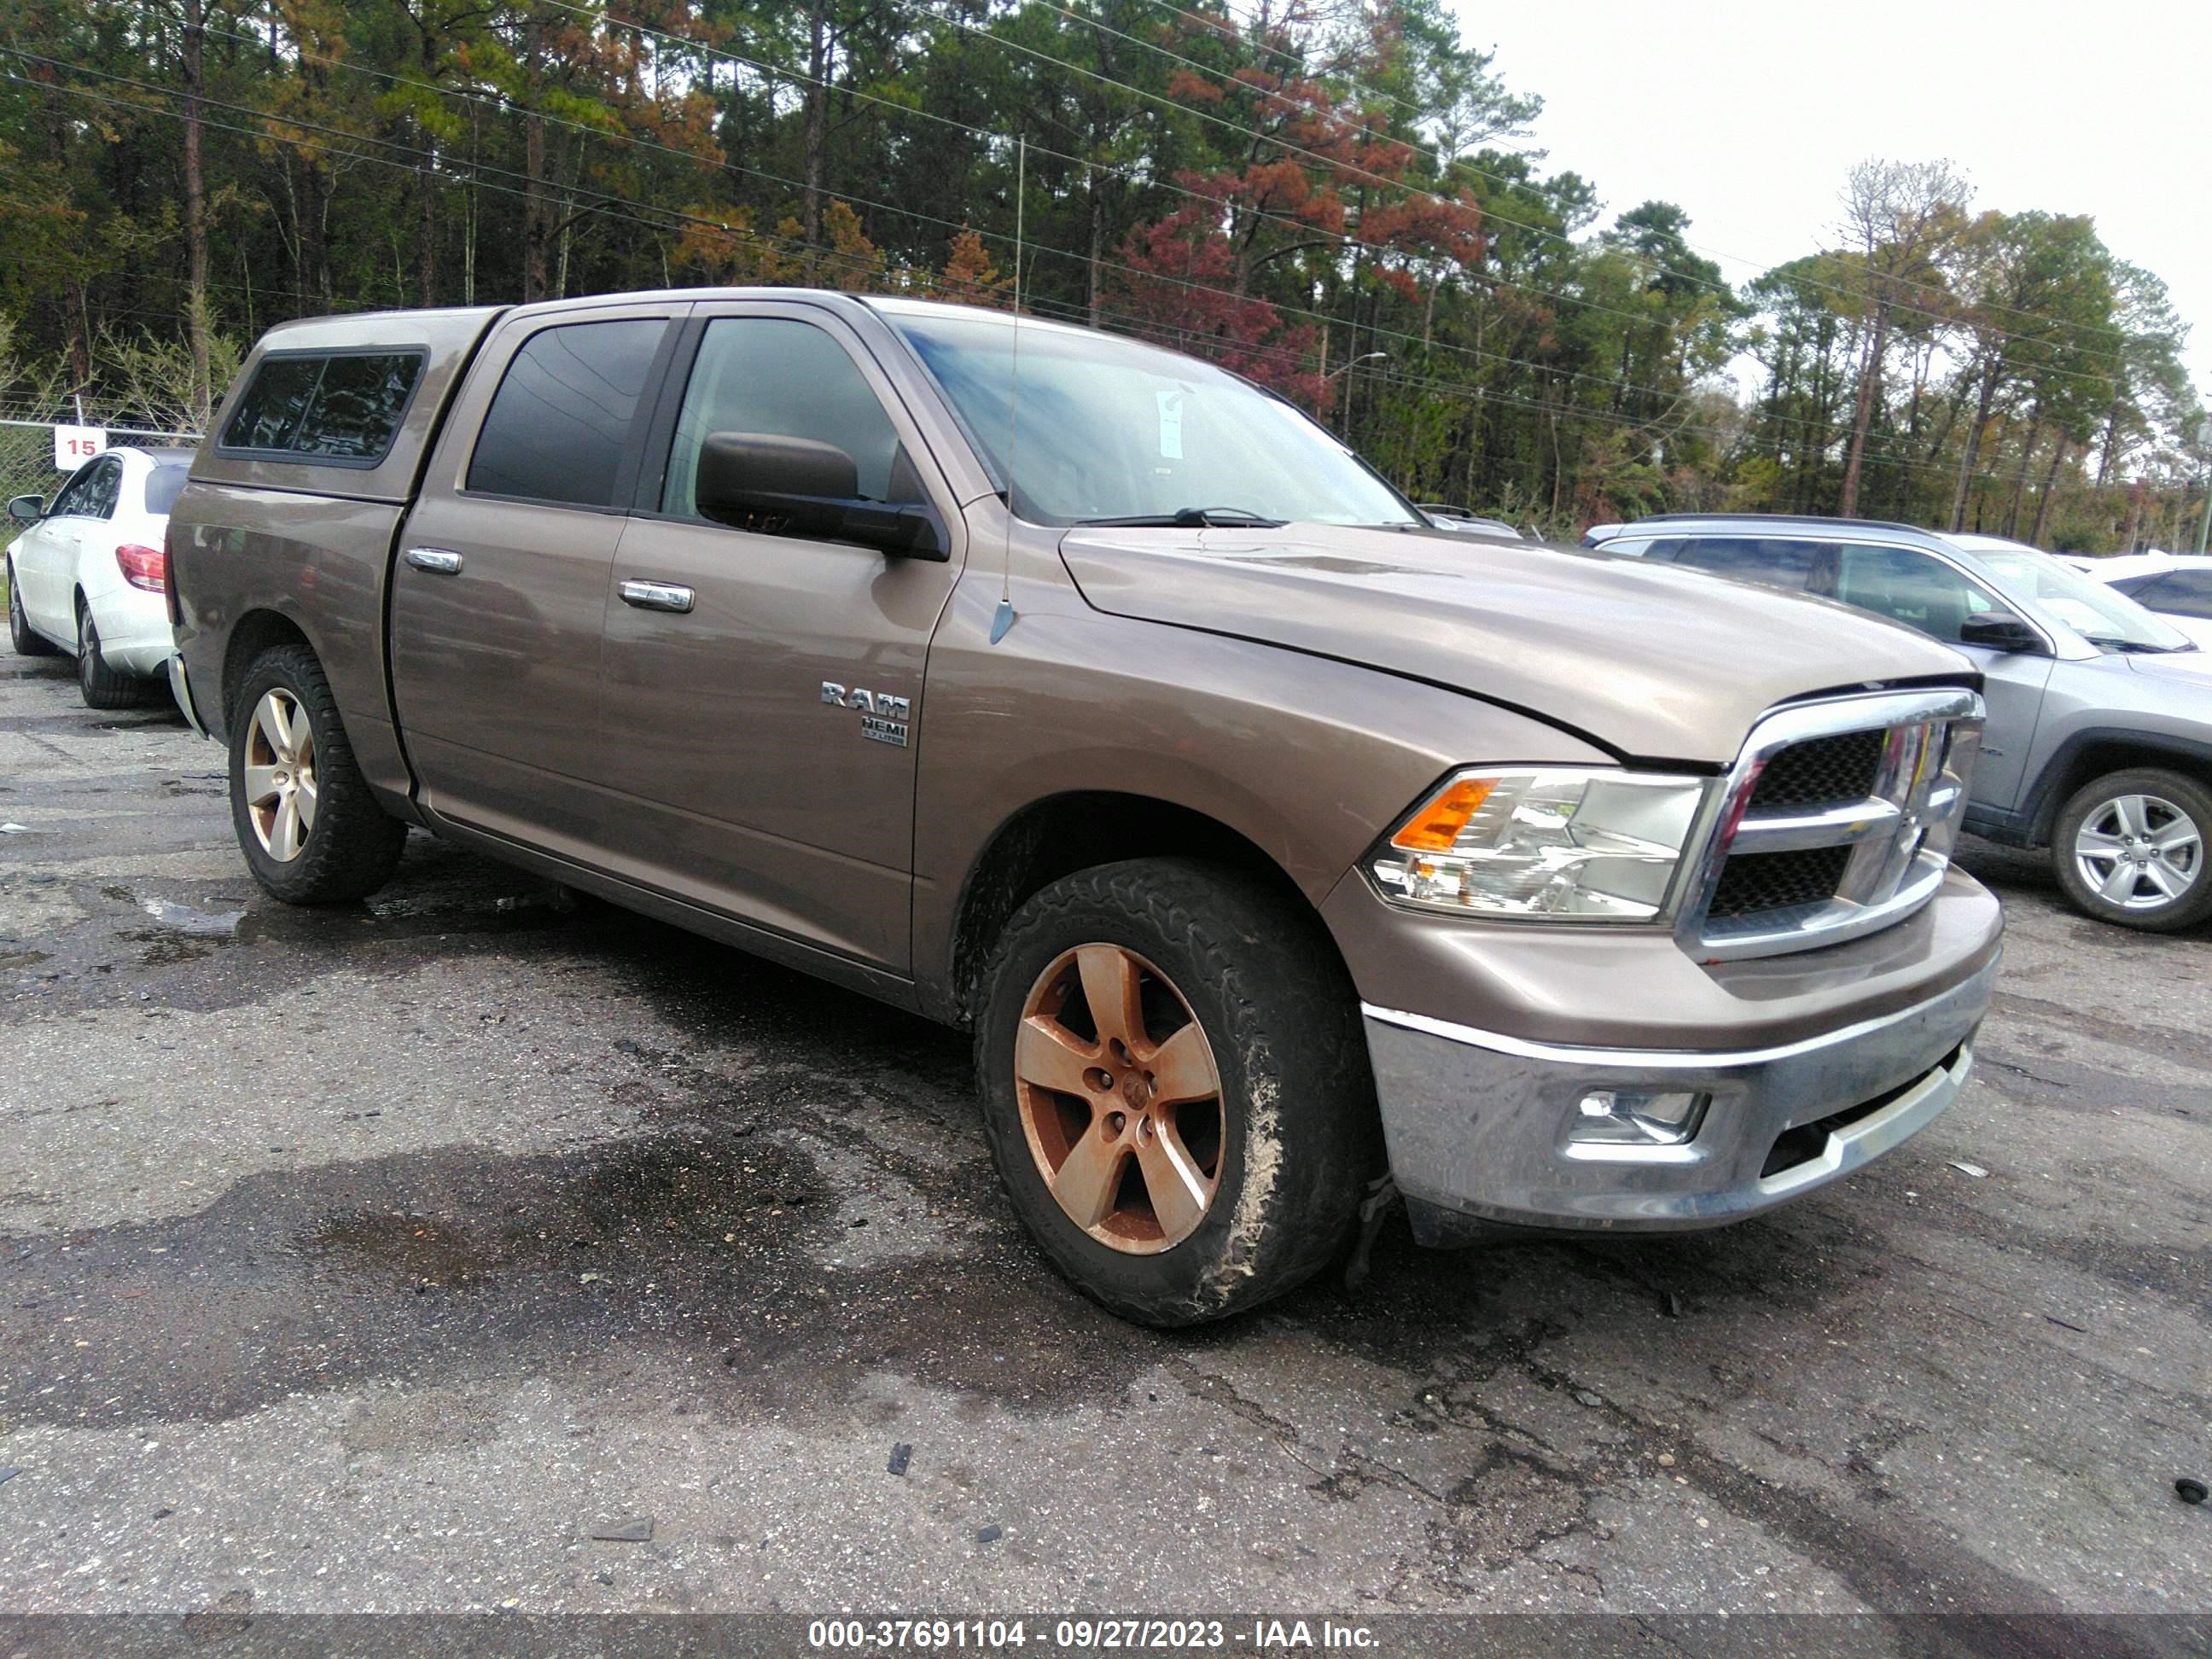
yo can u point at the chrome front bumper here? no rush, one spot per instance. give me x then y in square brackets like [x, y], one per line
[1478, 1123]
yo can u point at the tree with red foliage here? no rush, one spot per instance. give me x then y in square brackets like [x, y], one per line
[1175, 286]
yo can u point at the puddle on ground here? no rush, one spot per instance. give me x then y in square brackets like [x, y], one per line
[181, 933]
[196, 923]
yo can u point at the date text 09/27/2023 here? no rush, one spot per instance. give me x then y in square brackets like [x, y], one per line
[1088, 1635]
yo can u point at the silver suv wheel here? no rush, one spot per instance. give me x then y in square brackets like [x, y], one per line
[2129, 847]
[2139, 852]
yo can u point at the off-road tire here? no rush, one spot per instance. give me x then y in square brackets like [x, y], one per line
[100, 685]
[1300, 1138]
[354, 844]
[2191, 797]
[26, 640]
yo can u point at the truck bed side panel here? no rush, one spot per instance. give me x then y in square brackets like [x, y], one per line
[317, 561]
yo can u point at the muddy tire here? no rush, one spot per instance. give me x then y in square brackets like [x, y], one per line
[311, 831]
[27, 641]
[1116, 1001]
[2131, 848]
[100, 686]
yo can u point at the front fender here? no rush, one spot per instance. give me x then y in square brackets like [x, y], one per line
[1307, 758]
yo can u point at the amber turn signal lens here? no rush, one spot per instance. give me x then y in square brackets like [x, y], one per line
[1436, 827]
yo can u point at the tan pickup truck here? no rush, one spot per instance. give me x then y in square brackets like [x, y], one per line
[1271, 841]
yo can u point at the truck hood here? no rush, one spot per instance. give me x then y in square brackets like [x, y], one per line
[1652, 661]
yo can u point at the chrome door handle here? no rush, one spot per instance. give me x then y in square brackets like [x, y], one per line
[435, 560]
[656, 596]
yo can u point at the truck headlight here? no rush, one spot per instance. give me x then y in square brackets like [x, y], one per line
[1596, 846]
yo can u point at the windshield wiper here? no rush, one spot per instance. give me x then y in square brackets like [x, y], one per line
[1193, 518]
[2133, 647]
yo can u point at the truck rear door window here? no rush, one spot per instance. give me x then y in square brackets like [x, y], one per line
[561, 420]
[341, 407]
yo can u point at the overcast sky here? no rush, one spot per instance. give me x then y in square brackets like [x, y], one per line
[1749, 113]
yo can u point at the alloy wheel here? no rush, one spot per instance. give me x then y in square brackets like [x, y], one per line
[280, 775]
[2139, 852]
[1121, 1099]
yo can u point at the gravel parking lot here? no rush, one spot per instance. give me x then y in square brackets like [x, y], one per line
[378, 1258]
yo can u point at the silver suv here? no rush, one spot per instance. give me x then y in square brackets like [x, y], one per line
[2098, 744]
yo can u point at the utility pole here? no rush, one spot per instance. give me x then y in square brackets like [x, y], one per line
[196, 232]
[1344, 423]
[2204, 471]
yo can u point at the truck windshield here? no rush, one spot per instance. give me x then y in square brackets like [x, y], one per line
[2107, 618]
[1113, 429]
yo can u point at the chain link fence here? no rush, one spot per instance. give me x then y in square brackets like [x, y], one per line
[27, 451]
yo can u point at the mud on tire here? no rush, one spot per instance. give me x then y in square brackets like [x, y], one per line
[1297, 1138]
[353, 845]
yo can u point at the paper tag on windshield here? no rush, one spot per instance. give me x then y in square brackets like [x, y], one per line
[1170, 423]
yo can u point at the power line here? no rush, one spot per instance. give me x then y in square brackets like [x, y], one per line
[1374, 331]
[1251, 42]
[1454, 390]
[1351, 169]
[1694, 278]
[1127, 175]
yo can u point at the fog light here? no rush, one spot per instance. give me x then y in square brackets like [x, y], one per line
[1621, 1117]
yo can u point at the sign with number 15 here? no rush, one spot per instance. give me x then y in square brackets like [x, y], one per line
[75, 444]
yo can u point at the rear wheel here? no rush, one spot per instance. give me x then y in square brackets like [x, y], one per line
[311, 830]
[1176, 1088]
[2129, 847]
[101, 686]
[27, 641]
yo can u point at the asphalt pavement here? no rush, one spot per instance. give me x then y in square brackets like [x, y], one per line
[475, 1249]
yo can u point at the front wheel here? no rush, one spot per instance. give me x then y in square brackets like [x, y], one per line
[2129, 847]
[1176, 1088]
[311, 831]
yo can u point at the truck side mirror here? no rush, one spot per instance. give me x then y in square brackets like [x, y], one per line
[27, 510]
[2000, 630]
[784, 486]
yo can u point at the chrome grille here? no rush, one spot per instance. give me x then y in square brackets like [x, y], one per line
[1754, 884]
[1822, 773]
[1838, 819]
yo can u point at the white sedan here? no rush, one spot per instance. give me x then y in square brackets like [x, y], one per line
[89, 573]
[2177, 587]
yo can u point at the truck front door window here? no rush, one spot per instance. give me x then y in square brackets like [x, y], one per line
[561, 420]
[782, 378]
